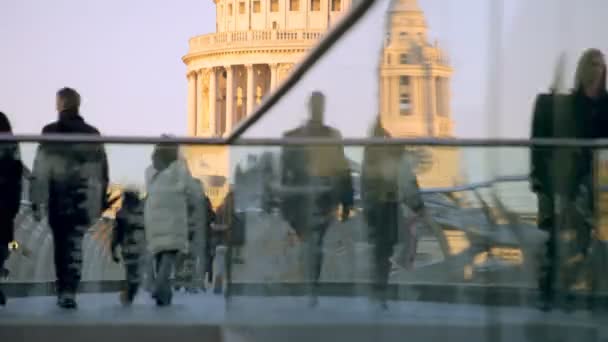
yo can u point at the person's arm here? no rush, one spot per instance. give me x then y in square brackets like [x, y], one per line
[409, 189]
[540, 157]
[347, 192]
[118, 236]
[196, 200]
[39, 182]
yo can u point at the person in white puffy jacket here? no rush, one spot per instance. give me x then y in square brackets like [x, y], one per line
[173, 205]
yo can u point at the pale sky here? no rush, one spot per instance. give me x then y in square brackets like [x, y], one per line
[125, 59]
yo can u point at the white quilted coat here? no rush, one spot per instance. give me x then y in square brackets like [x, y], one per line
[167, 218]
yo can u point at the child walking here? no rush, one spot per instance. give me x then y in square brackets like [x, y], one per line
[129, 234]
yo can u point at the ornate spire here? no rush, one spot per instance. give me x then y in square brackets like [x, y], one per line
[406, 6]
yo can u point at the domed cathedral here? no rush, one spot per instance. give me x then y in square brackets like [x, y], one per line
[415, 93]
[258, 42]
[255, 46]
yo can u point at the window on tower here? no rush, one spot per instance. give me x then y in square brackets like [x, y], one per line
[229, 9]
[274, 5]
[294, 5]
[404, 80]
[241, 7]
[336, 5]
[315, 5]
[257, 7]
[402, 35]
[403, 59]
[405, 105]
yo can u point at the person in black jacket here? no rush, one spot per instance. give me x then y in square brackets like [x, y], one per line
[129, 234]
[316, 181]
[69, 187]
[11, 173]
[562, 177]
[542, 186]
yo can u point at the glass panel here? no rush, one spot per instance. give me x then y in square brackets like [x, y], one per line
[477, 240]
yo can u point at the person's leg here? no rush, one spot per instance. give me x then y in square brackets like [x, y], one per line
[4, 253]
[72, 267]
[60, 258]
[165, 265]
[179, 271]
[385, 237]
[133, 276]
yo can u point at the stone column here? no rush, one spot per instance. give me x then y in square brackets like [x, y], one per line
[212, 102]
[273, 76]
[386, 95]
[250, 88]
[229, 98]
[200, 108]
[192, 103]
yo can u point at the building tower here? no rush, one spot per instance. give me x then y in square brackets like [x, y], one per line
[414, 88]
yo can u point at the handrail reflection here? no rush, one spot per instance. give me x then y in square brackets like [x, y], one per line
[437, 142]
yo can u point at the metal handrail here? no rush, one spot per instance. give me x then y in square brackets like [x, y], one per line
[476, 185]
[431, 142]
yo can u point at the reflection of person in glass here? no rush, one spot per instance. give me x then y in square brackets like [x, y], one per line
[583, 114]
[316, 181]
[387, 183]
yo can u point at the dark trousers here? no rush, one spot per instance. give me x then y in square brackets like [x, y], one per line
[4, 254]
[313, 245]
[383, 221]
[67, 239]
[133, 272]
[548, 259]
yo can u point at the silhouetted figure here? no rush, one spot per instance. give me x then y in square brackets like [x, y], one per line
[316, 180]
[229, 232]
[129, 234]
[213, 239]
[11, 173]
[173, 206]
[563, 177]
[387, 184]
[69, 186]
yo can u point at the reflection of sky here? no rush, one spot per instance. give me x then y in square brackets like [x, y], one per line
[125, 57]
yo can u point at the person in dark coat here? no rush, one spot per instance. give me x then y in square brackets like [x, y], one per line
[213, 240]
[563, 176]
[129, 234]
[228, 234]
[69, 187]
[541, 184]
[388, 183]
[316, 181]
[11, 173]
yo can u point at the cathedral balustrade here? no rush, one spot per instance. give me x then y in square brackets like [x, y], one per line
[245, 39]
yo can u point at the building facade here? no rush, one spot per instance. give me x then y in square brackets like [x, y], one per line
[258, 42]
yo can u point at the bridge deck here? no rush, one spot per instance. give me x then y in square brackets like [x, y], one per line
[207, 317]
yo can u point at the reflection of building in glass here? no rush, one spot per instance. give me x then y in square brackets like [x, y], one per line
[257, 43]
[415, 92]
[255, 46]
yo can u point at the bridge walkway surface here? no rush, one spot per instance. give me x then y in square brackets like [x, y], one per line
[206, 317]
